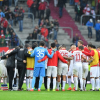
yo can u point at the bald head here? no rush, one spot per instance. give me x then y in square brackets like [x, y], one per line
[73, 47]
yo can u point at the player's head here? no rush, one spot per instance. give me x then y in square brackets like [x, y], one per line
[60, 47]
[27, 46]
[17, 47]
[20, 46]
[98, 48]
[93, 46]
[53, 45]
[34, 45]
[73, 47]
[42, 43]
[89, 46]
[63, 46]
[80, 43]
[81, 48]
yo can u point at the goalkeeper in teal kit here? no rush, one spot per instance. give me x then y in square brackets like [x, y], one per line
[39, 68]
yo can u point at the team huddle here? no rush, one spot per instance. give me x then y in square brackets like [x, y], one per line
[39, 62]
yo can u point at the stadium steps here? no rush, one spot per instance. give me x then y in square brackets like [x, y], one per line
[83, 28]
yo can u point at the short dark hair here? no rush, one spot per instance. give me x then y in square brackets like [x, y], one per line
[98, 47]
[53, 45]
[42, 43]
[27, 45]
[17, 47]
[34, 45]
[81, 47]
[80, 41]
[90, 45]
[71, 45]
[93, 46]
[63, 46]
[20, 46]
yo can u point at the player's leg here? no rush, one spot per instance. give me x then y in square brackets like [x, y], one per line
[64, 73]
[36, 74]
[17, 79]
[49, 68]
[42, 74]
[92, 77]
[31, 77]
[80, 77]
[97, 79]
[75, 75]
[27, 79]
[54, 75]
[59, 71]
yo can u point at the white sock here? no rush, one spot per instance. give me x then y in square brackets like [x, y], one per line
[81, 83]
[69, 82]
[48, 83]
[27, 83]
[17, 81]
[64, 82]
[6, 80]
[84, 82]
[97, 83]
[58, 83]
[54, 83]
[93, 83]
[75, 82]
[30, 83]
[3, 80]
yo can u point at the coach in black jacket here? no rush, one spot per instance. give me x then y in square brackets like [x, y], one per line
[21, 55]
[10, 65]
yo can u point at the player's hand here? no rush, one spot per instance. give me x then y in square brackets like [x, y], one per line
[24, 61]
[39, 61]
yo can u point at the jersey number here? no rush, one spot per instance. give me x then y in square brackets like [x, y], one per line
[40, 53]
[78, 57]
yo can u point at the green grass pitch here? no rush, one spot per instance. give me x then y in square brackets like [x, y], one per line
[44, 95]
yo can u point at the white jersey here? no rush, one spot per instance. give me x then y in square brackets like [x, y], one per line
[87, 10]
[77, 56]
[86, 57]
[63, 53]
[93, 13]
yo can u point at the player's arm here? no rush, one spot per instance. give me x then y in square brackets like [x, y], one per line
[26, 53]
[33, 53]
[68, 58]
[43, 59]
[50, 56]
[89, 53]
[61, 58]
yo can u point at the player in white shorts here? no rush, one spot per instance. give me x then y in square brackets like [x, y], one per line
[62, 68]
[77, 67]
[85, 70]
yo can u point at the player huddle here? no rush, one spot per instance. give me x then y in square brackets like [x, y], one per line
[40, 62]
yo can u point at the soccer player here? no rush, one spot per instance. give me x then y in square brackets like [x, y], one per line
[52, 66]
[62, 68]
[94, 72]
[77, 67]
[30, 68]
[39, 68]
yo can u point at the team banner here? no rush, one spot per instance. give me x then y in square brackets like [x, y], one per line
[3, 50]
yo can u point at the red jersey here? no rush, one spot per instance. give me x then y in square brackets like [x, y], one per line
[85, 49]
[54, 60]
[99, 57]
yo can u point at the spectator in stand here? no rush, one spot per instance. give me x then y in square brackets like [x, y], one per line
[10, 17]
[76, 2]
[2, 39]
[47, 23]
[29, 4]
[97, 28]
[20, 20]
[41, 23]
[55, 3]
[10, 2]
[8, 36]
[1, 1]
[56, 28]
[14, 40]
[94, 15]
[89, 25]
[37, 29]
[60, 5]
[34, 9]
[6, 2]
[86, 11]
[83, 3]
[75, 39]
[21, 8]
[44, 33]
[1, 28]
[93, 4]
[57, 45]
[6, 8]
[1, 13]
[42, 8]
[29, 38]
[51, 30]
[34, 34]
[98, 10]
[77, 11]
[16, 10]
[16, 2]
[5, 24]
[10, 30]
[71, 2]
[48, 12]
[1, 19]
